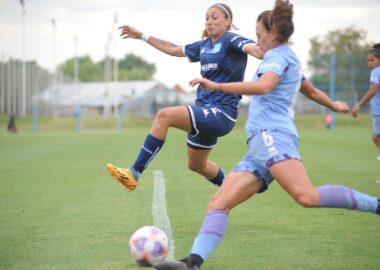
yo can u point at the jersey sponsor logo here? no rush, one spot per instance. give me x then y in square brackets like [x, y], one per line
[205, 112]
[271, 65]
[210, 66]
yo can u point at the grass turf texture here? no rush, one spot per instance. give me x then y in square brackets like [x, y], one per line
[60, 210]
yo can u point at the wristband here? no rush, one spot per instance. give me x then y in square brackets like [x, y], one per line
[145, 37]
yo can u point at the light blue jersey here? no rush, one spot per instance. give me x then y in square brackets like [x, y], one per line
[375, 101]
[275, 111]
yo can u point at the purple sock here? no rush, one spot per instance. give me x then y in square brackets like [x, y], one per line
[211, 234]
[343, 197]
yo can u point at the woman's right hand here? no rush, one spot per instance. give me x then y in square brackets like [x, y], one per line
[128, 31]
[355, 112]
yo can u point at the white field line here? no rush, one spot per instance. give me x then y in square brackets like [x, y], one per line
[160, 216]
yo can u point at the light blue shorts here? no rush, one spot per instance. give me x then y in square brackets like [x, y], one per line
[376, 125]
[266, 148]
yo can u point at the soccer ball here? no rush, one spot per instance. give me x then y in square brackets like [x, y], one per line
[148, 246]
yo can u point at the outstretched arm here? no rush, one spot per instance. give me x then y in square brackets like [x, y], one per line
[317, 95]
[367, 96]
[263, 86]
[169, 48]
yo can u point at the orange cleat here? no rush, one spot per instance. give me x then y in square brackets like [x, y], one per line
[124, 176]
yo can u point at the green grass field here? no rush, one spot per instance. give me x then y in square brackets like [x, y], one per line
[60, 210]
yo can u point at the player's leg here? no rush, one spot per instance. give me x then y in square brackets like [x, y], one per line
[177, 117]
[207, 125]
[198, 162]
[376, 140]
[376, 129]
[292, 177]
[238, 187]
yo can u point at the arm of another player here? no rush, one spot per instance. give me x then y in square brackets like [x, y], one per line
[367, 97]
[169, 48]
[263, 86]
[317, 95]
[254, 50]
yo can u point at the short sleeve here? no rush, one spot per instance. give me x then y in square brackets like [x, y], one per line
[192, 51]
[273, 63]
[239, 42]
[375, 76]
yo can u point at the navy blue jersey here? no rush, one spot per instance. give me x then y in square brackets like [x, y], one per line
[223, 61]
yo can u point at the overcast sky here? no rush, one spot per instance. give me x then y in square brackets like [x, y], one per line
[180, 22]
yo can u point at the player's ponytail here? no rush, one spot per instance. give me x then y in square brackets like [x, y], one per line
[281, 20]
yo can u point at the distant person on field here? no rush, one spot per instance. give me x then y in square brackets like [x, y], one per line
[328, 120]
[223, 58]
[12, 124]
[272, 140]
[373, 93]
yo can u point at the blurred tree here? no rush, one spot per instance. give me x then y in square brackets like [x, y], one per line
[350, 47]
[88, 70]
[132, 67]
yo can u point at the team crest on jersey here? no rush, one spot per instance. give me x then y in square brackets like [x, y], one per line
[215, 49]
[205, 112]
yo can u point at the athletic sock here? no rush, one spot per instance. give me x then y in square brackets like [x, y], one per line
[148, 151]
[219, 178]
[343, 197]
[211, 234]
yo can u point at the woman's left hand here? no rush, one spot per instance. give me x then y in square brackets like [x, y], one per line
[205, 84]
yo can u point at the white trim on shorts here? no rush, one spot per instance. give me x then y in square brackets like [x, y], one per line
[193, 120]
[201, 145]
[229, 117]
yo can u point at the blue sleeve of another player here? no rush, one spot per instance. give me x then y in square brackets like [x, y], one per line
[273, 63]
[239, 42]
[375, 76]
[192, 51]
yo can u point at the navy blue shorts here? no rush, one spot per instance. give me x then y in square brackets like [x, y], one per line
[207, 124]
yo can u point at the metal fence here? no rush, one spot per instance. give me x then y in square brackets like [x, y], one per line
[344, 77]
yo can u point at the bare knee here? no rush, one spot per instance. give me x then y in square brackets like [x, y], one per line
[216, 203]
[307, 200]
[162, 116]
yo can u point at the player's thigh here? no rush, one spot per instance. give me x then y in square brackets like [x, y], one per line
[238, 187]
[292, 177]
[177, 117]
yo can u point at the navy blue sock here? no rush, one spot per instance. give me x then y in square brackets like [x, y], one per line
[148, 151]
[218, 179]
